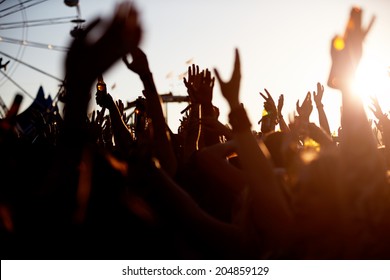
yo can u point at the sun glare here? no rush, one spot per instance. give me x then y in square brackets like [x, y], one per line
[372, 79]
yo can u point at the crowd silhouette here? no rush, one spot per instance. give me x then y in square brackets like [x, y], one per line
[95, 187]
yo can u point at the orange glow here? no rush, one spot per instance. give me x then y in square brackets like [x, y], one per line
[338, 43]
[100, 87]
[351, 25]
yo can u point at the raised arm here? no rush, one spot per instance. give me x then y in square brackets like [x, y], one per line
[85, 60]
[192, 125]
[358, 146]
[270, 118]
[200, 86]
[282, 123]
[122, 135]
[267, 199]
[384, 125]
[317, 96]
[161, 137]
[304, 110]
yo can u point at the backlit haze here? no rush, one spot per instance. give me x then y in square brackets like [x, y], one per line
[284, 47]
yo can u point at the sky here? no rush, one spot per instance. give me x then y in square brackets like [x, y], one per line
[284, 46]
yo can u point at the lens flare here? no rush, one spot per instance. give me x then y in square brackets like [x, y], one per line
[339, 44]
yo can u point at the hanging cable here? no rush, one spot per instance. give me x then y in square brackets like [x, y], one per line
[32, 67]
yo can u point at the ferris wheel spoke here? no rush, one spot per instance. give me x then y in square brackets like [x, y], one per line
[15, 6]
[15, 24]
[19, 7]
[38, 22]
[16, 84]
[33, 44]
[32, 67]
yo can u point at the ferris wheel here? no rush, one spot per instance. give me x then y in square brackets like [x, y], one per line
[34, 35]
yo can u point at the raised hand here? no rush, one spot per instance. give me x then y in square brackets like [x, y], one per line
[199, 85]
[139, 64]
[121, 108]
[95, 125]
[231, 89]
[104, 100]
[280, 105]
[269, 120]
[269, 103]
[376, 109]
[121, 36]
[355, 33]
[162, 145]
[193, 79]
[383, 125]
[205, 89]
[317, 96]
[306, 108]
[346, 51]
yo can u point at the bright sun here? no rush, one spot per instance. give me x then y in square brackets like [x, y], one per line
[372, 79]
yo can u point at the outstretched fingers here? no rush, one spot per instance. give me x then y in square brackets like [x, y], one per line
[237, 66]
[230, 89]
